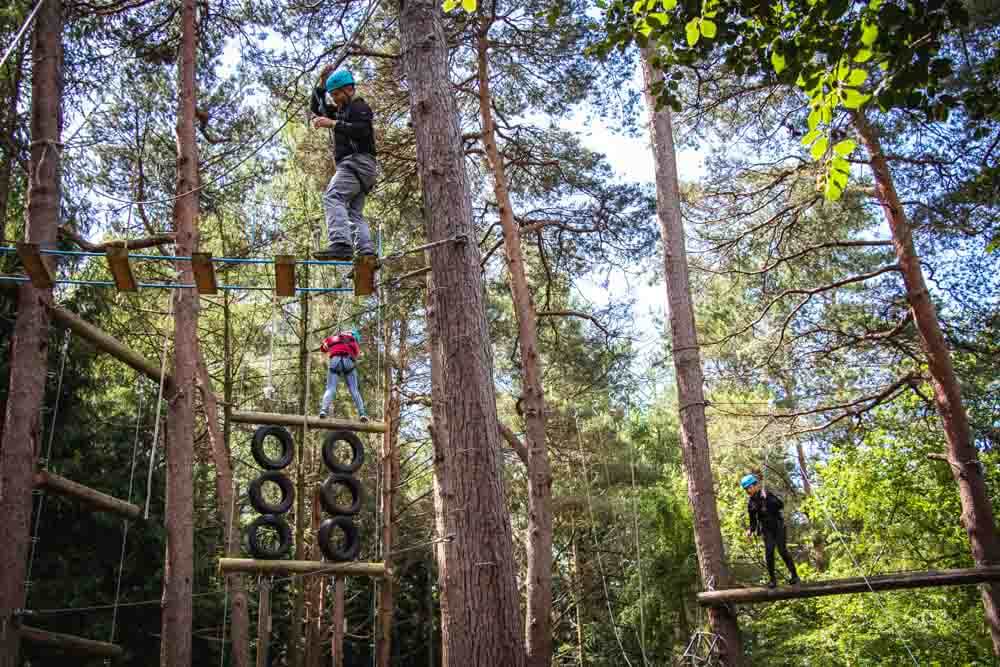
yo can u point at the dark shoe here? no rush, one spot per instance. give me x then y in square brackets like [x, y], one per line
[337, 251]
[794, 581]
[772, 584]
[364, 419]
[322, 415]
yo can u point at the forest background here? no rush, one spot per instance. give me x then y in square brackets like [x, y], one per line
[814, 376]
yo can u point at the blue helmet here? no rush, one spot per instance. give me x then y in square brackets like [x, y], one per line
[748, 481]
[357, 335]
[339, 79]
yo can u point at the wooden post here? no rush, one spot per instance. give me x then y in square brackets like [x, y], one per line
[121, 270]
[364, 275]
[204, 273]
[70, 643]
[264, 623]
[101, 501]
[284, 275]
[36, 268]
[337, 645]
[284, 567]
[299, 420]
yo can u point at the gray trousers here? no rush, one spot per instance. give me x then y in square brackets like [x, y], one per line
[342, 366]
[344, 202]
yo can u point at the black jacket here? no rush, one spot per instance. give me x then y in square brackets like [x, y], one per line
[353, 132]
[765, 512]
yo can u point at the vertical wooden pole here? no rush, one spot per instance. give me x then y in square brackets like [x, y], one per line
[264, 623]
[337, 645]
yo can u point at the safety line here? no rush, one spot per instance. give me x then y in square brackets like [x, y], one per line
[20, 33]
[109, 283]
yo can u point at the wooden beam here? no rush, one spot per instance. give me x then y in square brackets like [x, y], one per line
[254, 566]
[264, 624]
[120, 268]
[70, 643]
[204, 273]
[101, 501]
[36, 267]
[284, 275]
[313, 422]
[364, 275]
[339, 622]
[105, 343]
[882, 582]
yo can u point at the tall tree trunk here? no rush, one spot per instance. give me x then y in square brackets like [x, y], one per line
[538, 630]
[231, 533]
[578, 601]
[8, 128]
[30, 346]
[687, 366]
[175, 649]
[977, 512]
[390, 478]
[482, 625]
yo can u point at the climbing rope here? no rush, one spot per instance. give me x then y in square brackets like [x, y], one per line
[269, 390]
[156, 423]
[20, 33]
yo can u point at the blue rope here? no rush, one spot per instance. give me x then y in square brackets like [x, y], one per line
[108, 283]
[171, 258]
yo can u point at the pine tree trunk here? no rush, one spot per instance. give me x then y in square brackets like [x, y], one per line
[29, 349]
[977, 512]
[687, 366]
[482, 624]
[175, 648]
[12, 95]
[390, 478]
[538, 630]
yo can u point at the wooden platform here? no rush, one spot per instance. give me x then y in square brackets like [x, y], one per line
[254, 566]
[882, 582]
[70, 643]
[313, 422]
[364, 274]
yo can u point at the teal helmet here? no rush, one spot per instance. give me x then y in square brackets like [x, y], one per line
[357, 335]
[748, 481]
[339, 79]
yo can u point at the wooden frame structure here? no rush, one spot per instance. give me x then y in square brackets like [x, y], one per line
[875, 583]
[277, 567]
[278, 419]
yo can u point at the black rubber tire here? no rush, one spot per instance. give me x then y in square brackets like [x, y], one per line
[259, 502]
[287, 447]
[352, 539]
[257, 550]
[328, 495]
[330, 452]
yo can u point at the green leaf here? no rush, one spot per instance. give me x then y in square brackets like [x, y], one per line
[869, 33]
[845, 147]
[810, 137]
[857, 77]
[659, 17]
[843, 69]
[778, 61]
[832, 191]
[650, 4]
[644, 28]
[469, 5]
[708, 28]
[853, 99]
[819, 148]
[449, 5]
[840, 176]
[637, 6]
[863, 56]
[692, 31]
[840, 166]
[669, 5]
[814, 117]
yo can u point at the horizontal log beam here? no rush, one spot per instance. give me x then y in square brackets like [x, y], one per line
[70, 643]
[877, 583]
[101, 501]
[106, 343]
[313, 422]
[253, 566]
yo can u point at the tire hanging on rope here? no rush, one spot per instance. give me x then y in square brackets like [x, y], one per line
[328, 495]
[347, 550]
[260, 454]
[330, 452]
[262, 504]
[267, 550]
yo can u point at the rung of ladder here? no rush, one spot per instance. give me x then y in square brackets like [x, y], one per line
[120, 268]
[204, 273]
[36, 268]
[284, 275]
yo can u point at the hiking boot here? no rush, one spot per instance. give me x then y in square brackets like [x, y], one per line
[794, 581]
[337, 251]
[772, 584]
[322, 415]
[364, 419]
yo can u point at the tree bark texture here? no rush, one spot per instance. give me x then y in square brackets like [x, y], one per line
[175, 648]
[977, 512]
[482, 624]
[538, 628]
[687, 366]
[390, 478]
[239, 621]
[29, 349]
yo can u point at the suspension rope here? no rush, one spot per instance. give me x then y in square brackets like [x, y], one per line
[20, 33]
[159, 406]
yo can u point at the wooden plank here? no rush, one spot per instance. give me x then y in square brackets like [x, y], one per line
[313, 422]
[339, 622]
[281, 567]
[106, 343]
[882, 582]
[36, 267]
[70, 643]
[204, 273]
[101, 501]
[120, 268]
[284, 275]
[264, 624]
[364, 275]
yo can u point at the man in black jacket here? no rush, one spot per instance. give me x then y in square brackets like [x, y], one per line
[350, 118]
[764, 509]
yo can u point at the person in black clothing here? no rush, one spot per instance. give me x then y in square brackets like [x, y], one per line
[350, 118]
[765, 520]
